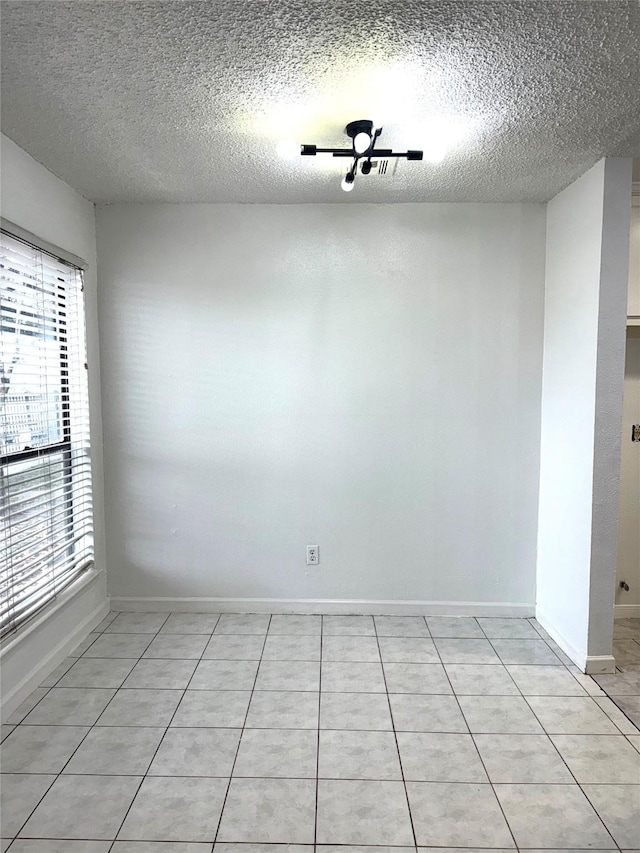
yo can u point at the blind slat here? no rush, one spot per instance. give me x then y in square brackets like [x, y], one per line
[46, 525]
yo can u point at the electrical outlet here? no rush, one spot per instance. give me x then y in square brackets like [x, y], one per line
[313, 555]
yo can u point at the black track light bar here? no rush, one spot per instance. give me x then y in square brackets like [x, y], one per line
[312, 150]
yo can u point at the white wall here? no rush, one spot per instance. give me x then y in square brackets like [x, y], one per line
[39, 202]
[585, 307]
[366, 378]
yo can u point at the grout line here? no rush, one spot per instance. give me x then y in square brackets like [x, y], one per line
[395, 737]
[315, 820]
[504, 817]
[584, 794]
[242, 728]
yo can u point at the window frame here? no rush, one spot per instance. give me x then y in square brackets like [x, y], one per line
[65, 446]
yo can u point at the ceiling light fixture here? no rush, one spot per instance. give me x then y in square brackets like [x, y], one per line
[363, 134]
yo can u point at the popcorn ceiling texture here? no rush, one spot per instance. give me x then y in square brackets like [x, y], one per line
[185, 101]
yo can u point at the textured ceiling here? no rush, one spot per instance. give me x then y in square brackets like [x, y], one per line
[186, 101]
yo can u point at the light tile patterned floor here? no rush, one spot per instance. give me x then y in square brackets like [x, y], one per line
[177, 733]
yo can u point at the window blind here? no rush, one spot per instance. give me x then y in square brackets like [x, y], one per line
[46, 517]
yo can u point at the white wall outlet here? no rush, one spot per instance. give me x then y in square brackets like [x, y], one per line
[313, 555]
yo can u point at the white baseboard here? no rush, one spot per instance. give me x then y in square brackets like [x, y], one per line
[627, 611]
[325, 606]
[599, 664]
[27, 659]
[590, 664]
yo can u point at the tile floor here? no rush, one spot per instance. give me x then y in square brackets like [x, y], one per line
[177, 733]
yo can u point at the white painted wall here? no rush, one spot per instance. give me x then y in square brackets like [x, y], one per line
[36, 200]
[366, 378]
[585, 307]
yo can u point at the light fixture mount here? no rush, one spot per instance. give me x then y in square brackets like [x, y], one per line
[363, 134]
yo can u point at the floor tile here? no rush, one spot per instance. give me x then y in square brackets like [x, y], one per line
[428, 757]
[630, 705]
[140, 708]
[225, 847]
[626, 652]
[340, 677]
[40, 749]
[460, 627]
[278, 709]
[291, 647]
[70, 706]
[470, 680]
[507, 629]
[19, 795]
[620, 720]
[175, 809]
[446, 814]
[358, 755]
[545, 681]
[408, 650]
[180, 646]
[619, 809]
[161, 847]
[216, 708]
[416, 678]
[23, 709]
[58, 672]
[116, 751]
[338, 648]
[196, 752]
[161, 674]
[355, 711]
[363, 812]
[80, 649]
[108, 619]
[137, 623]
[288, 675]
[571, 715]
[234, 647]
[118, 646]
[83, 807]
[466, 651]
[585, 681]
[361, 626]
[296, 624]
[242, 623]
[556, 816]
[283, 753]
[522, 758]
[600, 759]
[525, 652]
[499, 715]
[424, 713]
[279, 811]
[190, 623]
[41, 845]
[620, 683]
[97, 672]
[362, 848]
[401, 626]
[224, 675]
[5, 731]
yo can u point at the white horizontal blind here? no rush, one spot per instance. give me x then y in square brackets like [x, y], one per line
[46, 517]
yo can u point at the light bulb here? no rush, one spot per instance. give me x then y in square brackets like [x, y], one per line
[287, 149]
[361, 142]
[348, 183]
